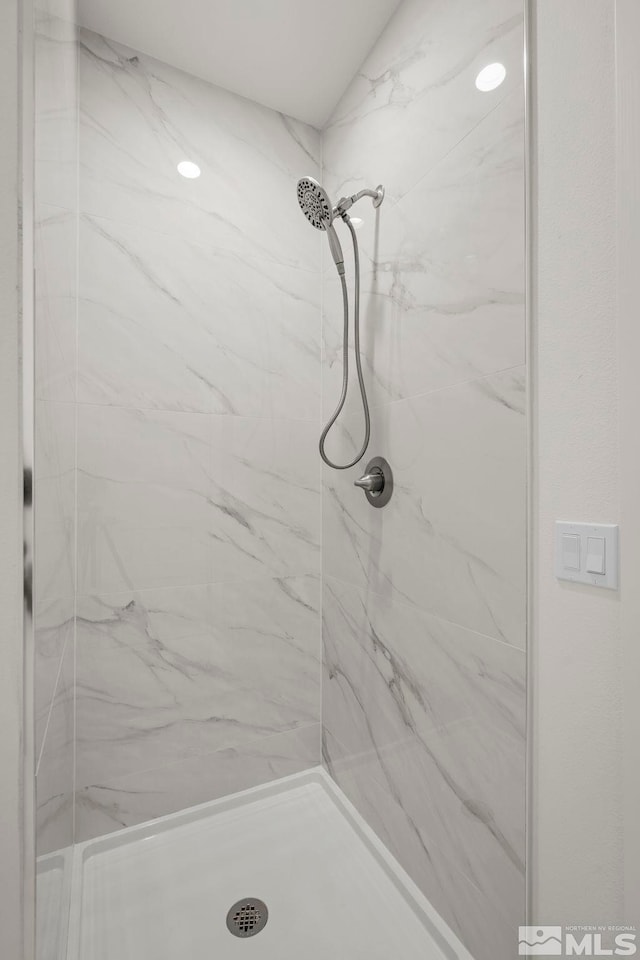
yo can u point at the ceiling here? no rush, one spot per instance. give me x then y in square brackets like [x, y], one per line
[296, 56]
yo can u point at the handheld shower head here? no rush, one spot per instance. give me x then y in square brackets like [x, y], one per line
[319, 211]
[316, 206]
[314, 203]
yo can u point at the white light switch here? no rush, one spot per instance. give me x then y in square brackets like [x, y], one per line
[571, 551]
[587, 553]
[595, 555]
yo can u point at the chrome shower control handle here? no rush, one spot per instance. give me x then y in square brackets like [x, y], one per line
[377, 482]
[372, 482]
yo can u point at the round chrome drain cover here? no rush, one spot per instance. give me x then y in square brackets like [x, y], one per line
[247, 917]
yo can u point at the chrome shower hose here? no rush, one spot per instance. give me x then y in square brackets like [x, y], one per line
[345, 360]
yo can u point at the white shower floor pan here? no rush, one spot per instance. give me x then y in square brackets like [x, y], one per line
[162, 891]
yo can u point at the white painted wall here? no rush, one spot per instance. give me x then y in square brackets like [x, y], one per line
[577, 830]
[628, 142]
[16, 867]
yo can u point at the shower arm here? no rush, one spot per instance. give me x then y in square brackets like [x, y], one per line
[345, 203]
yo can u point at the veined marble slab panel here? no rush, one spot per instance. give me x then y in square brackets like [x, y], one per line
[141, 117]
[452, 539]
[167, 322]
[55, 305]
[153, 793]
[424, 727]
[147, 696]
[443, 271]
[140, 618]
[54, 632]
[415, 97]
[485, 923]
[55, 429]
[54, 773]
[143, 499]
[56, 104]
[424, 611]
[266, 501]
[176, 499]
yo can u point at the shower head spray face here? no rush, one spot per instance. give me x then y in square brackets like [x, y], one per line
[315, 203]
[316, 206]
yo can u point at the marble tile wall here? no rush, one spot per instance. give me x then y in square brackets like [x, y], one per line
[56, 147]
[424, 601]
[198, 482]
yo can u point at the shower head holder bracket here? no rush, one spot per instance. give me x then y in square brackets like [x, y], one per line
[345, 203]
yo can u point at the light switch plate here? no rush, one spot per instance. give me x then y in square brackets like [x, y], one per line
[568, 548]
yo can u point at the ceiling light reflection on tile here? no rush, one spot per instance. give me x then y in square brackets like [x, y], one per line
[491, 77]
[188, 169]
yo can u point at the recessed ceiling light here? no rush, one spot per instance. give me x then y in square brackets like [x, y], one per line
[491, 77]
[188, 169]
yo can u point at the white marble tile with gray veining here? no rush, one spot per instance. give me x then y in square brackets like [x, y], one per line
[265, 498]
[439, 675]
[484, 922]
[141, 618]
[143, 499]
[140, 118]
[443, 271]
[55, 259]
[423, 720]
[54, 632]
[452, 538]
[56, 105]
[55, 303]
[431, 717]
[195, 328]
[54, 771]
[173, 499]
[54, 487]
[153, 793]
[415, 97]
[66, 10]
[146, 698]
